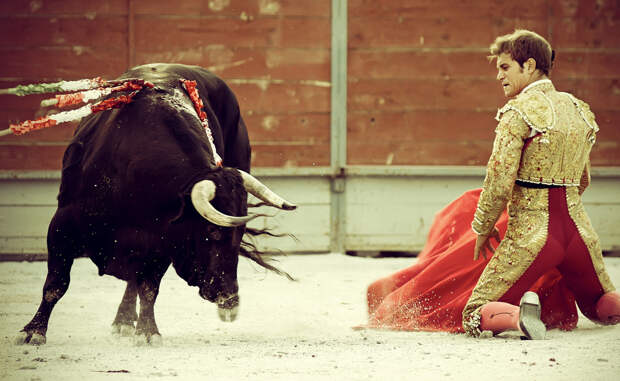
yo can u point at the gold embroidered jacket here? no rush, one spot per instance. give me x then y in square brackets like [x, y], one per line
[563, 130]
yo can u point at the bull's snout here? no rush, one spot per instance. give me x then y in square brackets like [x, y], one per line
[228, 307]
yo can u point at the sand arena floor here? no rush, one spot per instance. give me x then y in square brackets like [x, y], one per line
[285, 331]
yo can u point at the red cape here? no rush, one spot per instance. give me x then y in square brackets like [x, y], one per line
[431, 294]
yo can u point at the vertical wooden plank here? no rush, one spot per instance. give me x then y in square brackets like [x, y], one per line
[131, 53]
[338, 123]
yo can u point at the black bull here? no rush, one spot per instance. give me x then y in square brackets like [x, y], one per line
[140, 190]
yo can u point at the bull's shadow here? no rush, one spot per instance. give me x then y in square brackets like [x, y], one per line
[143, 187]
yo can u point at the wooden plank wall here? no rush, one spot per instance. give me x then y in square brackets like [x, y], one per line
[421, 91]
[51, 41]
[274, 54]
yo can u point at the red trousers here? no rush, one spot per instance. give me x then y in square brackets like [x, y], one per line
[566, 251]
[430, 295]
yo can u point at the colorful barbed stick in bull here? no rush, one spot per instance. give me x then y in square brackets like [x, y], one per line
[67, 116]
[57, 87]
[190, 87]
[90, 89]
[64, 100]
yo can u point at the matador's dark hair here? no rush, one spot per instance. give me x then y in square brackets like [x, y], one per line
[524, 44]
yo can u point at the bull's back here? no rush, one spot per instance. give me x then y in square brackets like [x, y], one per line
[145, 154]
[227, 126]
[138, 159]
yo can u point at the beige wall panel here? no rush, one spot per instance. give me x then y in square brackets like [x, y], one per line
[382, 212]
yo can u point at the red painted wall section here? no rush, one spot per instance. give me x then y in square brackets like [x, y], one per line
[420, 88]
[275, 55]
[51, 41]
[422, 92]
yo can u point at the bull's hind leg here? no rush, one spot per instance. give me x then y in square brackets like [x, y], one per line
[62, 244]
[126, 315]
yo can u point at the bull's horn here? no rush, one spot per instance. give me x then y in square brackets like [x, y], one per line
[260, 190]
[202, 193]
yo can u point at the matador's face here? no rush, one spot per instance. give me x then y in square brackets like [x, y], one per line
[511, 75]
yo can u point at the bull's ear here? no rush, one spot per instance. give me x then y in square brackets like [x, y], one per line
[202, 193]
[260, 190]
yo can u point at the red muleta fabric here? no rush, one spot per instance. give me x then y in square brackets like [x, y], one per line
[431, 294]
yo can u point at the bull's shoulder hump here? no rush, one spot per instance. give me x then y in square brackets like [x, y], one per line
[171, 73]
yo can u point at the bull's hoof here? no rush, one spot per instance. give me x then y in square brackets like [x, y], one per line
[154, 340]
[37, 339]
[32, 338]
[123, 330]
[228, 314]
[22, 338]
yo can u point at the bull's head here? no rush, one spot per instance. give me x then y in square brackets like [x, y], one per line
[220, 285]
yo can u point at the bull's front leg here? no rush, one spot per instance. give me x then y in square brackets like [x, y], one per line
[146, 328]
[126, 315]
[56, 284]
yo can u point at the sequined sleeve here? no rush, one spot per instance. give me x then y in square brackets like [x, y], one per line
[501, 173]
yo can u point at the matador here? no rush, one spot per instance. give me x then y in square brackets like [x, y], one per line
[539, 167]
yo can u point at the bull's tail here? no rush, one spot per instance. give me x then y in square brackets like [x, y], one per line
[249, 250]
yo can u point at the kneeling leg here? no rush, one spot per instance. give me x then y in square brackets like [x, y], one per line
[593, 291]
[608, 308]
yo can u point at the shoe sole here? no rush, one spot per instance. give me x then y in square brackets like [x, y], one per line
[529, 317]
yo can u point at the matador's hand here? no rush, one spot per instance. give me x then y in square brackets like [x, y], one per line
[483, 243]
